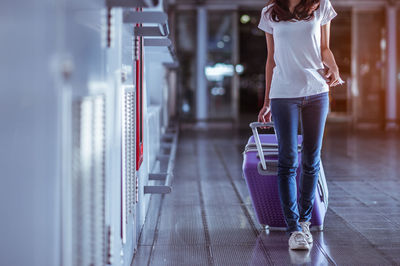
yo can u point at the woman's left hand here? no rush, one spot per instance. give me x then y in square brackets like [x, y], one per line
[333, 76]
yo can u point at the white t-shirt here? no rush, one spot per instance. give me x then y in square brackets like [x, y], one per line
[297, 53]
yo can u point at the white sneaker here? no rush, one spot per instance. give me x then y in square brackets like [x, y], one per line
[297, 240]
[305, 226]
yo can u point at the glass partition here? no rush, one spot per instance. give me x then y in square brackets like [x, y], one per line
[340, 44]
[186, 27]
[370, 49]
[220, 68]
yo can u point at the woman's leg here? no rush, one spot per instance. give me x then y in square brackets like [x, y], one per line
[285, 115]
[313, 116]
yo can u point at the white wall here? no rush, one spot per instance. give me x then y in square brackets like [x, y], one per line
[54, 54]
[30, 131]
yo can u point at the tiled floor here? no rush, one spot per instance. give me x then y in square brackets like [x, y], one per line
[208, 218]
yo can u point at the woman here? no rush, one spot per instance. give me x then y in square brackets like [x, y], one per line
[297, 34]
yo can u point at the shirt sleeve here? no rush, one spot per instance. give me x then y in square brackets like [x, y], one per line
[265, 22]
[328, 12]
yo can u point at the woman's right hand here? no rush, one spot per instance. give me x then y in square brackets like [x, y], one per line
[265, 115]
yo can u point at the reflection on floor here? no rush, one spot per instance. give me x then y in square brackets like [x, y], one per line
[208, 218]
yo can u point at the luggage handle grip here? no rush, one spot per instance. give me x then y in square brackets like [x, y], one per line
[253, 127]
[261, 124]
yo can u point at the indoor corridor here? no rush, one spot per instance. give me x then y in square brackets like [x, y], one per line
[208, 218]
[124, 125]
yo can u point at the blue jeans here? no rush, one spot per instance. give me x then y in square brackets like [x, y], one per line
[286, 112]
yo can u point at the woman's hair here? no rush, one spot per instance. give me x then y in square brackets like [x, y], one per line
[303, 11]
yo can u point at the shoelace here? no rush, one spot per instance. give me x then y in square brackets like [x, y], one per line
[299, 238]
[306, 227]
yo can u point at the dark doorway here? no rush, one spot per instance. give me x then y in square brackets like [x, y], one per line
[252, 56]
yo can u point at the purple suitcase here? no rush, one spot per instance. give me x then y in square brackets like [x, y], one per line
[263, 185]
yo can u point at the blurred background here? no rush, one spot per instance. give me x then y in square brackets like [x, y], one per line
[363, 40]
[94, 93]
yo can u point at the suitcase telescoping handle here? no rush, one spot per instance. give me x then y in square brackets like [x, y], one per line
[254, 126]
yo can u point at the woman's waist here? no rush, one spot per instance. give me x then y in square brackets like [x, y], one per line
[299, 74]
